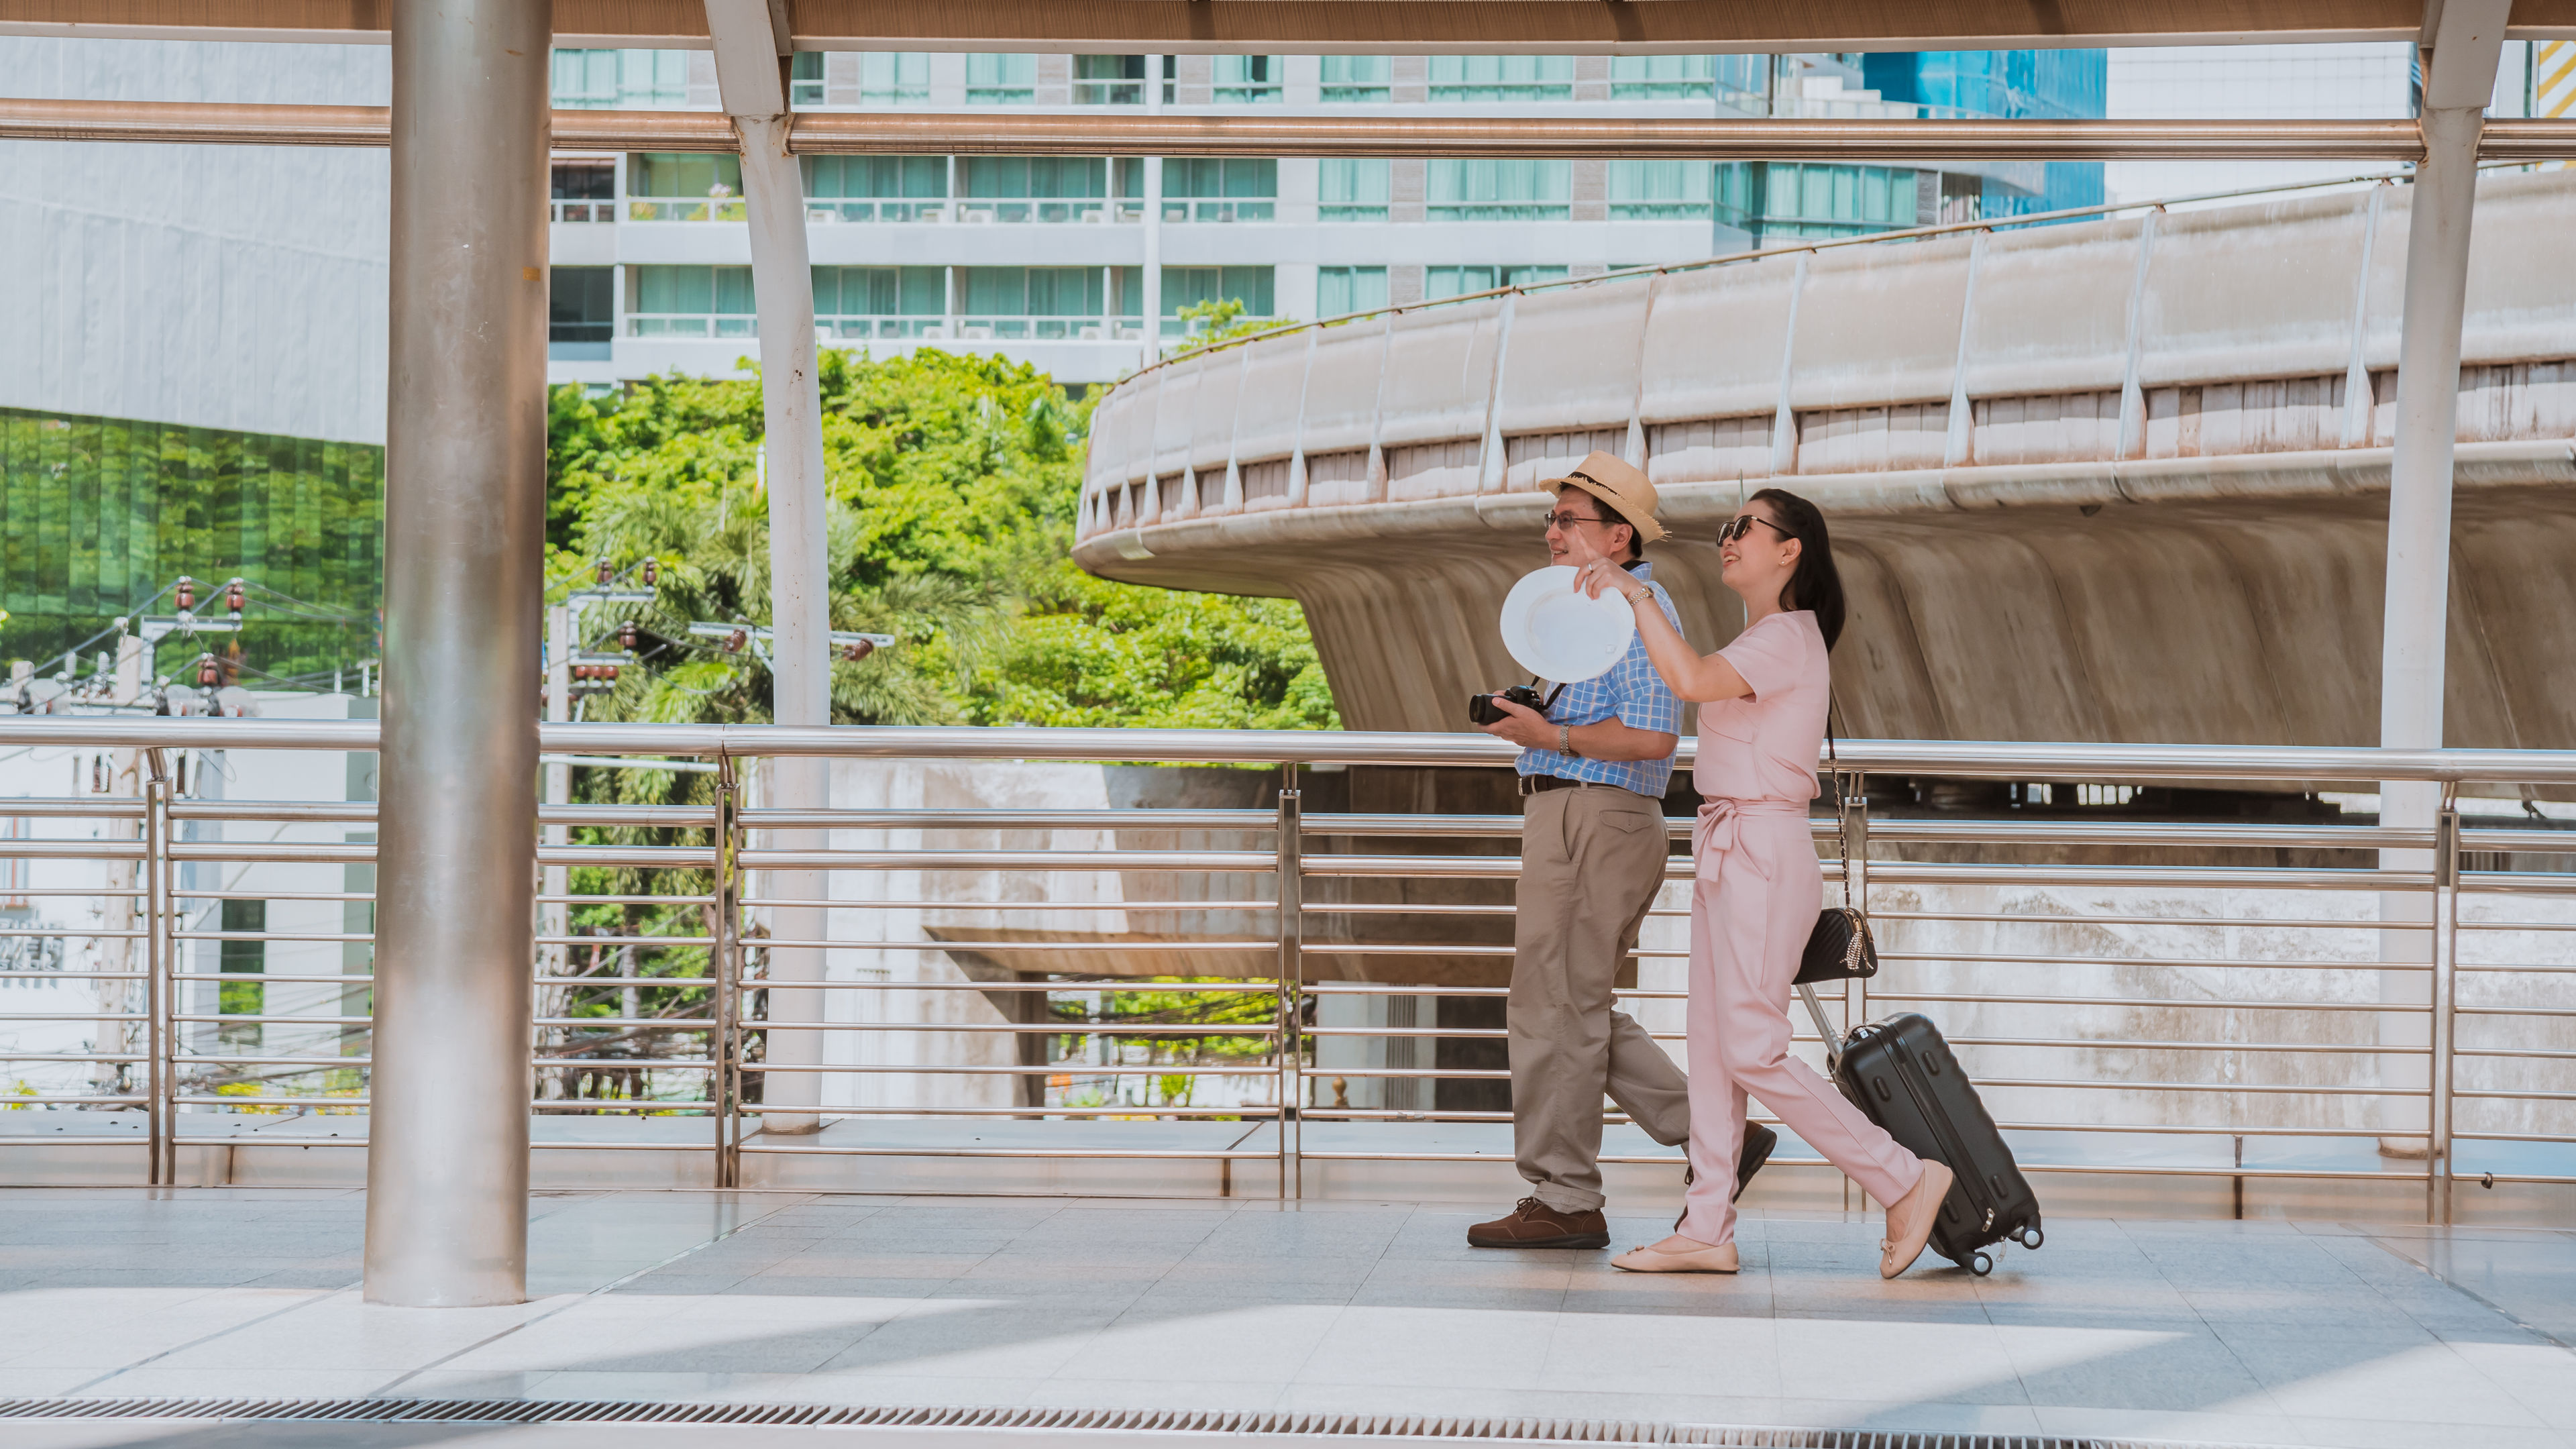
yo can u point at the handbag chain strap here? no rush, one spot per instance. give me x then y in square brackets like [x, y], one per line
[1842, 811]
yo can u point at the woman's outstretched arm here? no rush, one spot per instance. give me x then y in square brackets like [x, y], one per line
[1693, 676]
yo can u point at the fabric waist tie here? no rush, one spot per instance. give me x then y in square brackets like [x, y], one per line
[1719, 819]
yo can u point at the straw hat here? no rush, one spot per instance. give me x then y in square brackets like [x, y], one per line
[1614, 481]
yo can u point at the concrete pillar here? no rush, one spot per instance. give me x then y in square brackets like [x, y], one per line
[465, 475]
[2463, 40]
[751, 65]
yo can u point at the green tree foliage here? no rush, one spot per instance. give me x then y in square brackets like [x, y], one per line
[952, 485]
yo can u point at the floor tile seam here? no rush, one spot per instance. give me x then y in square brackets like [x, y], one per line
[2471, 1294]
[316, 1296]
[572, 1300]
[2210, 1329]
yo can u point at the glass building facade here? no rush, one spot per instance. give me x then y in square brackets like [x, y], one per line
[1784, 201]
[98, 516]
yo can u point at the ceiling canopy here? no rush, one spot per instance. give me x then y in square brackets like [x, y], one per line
[1345, 26]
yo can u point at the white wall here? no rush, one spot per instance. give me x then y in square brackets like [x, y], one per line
[2248, 82]
[219, 286]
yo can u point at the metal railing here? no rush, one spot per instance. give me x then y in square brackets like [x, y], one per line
[1233, 974]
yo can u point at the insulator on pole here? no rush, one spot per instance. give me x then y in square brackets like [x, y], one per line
[735, 640]
[206, 669]
[626, 634]
[651, 568]
[607, 574]
[859, 650]
[235, 596]
[187, 592]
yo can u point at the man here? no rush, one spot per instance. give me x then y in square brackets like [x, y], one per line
[1593, 769]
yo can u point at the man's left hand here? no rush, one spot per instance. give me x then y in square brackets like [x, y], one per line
[1523, 726]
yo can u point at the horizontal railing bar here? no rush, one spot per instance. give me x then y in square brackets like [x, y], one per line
[1236, 1112]
[2141, 834]
[2544, 1054]
[2018, 918]
[1084, 1070]
[47, 849]
[1106, 1154]
[2542, 1011]
[694, 982]
[1013, 860]
[2561, 1137]
[284, 937]
[74, 807]
[15, 1099]
[1961, 759]
[272, 978]
[1247, 986]
[102, 1058]
[319, 1064]
[963, 907]
[1139, 948]
[364, 897]
[981, 819]
[2207, 963]
[245, 1019]
[1878, 992]
[75, 976]
[639, 1064]
[1021, 1028]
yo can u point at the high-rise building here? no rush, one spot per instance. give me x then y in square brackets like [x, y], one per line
[1062, 260]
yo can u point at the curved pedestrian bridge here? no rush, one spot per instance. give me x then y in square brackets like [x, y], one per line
[2117, 480]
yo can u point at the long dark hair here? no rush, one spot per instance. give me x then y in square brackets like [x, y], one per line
[1816, 584]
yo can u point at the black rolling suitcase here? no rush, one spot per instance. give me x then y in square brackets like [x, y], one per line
[1903, 1076]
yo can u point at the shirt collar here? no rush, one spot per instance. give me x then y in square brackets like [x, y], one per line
[1644, 569]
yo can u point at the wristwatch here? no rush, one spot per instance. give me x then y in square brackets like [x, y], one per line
[1565, 743]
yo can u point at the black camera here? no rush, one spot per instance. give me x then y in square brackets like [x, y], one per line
[1482, 710]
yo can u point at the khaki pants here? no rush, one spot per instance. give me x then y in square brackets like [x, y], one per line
[1592, 859]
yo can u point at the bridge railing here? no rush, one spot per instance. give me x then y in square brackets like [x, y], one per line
[1218, 976]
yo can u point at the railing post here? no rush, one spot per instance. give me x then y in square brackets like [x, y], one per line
[1854, 804]
[1851, 800]
[1292, 972]
[164, 1167]
[2446, 948]
[725, 1088]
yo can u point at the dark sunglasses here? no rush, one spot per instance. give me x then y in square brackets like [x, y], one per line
[1742, 524]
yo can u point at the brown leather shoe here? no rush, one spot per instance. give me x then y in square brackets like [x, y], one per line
[1533, 1224]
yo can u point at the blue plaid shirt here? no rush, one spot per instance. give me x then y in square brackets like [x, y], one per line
[1634, 694]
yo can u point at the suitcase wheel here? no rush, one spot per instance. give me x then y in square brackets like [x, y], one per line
[2030, 1236]
[1980, 1264]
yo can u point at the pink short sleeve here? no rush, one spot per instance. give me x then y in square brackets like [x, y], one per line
[1768, 655]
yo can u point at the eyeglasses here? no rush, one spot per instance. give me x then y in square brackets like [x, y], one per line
[1568, 520]
[1742, 524]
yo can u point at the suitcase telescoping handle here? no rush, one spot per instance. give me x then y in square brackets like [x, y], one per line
[1824, 1028]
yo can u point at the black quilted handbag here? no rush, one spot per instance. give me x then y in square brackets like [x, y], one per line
[1839, 946]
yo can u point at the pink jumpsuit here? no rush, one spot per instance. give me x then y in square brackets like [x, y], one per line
[1754, 900]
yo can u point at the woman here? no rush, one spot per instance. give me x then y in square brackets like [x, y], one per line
[1757, 886]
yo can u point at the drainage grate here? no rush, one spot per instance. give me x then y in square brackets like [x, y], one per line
[1147, 1421]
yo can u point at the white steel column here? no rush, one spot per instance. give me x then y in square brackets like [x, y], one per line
[751, 74]
[2463, 39]
[1153, 219]
[465, 488]
[554, 918]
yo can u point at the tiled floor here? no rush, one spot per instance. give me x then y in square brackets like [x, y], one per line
[2259, 1332]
